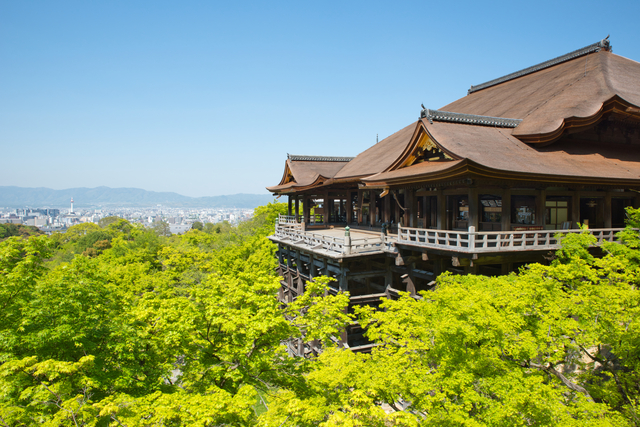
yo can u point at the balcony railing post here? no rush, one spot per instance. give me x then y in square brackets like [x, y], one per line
[347, 240]
[472, 237]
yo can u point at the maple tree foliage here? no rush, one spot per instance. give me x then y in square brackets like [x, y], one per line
[113, 324]
[549, 345]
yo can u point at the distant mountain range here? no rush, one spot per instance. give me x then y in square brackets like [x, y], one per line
[20, 197]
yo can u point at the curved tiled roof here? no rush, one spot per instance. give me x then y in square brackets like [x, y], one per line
[308, 171]
[540, 104]
[496, 150]
[545, 99]
[379, 157]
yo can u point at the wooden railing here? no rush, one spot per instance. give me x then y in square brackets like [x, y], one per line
[287, 219]
[343, 245]
[493, 241]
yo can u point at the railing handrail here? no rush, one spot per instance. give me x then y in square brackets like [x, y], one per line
[469, 241]
[344, 245]
[573, 230]
[494, 241]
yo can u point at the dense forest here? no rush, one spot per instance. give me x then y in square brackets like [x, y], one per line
[112, 324]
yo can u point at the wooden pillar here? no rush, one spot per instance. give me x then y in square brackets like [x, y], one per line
[360, 197]
[298, 263]
[396, 209]
[388, 275]
[387, 207]
[541, 208]
[306, 211]
[471, 269]
[506, 210]
[289, 205]
[425, 215]
[372, 207]
[411, 203]
[297, 207]
[438, 266]
[474, 208]
[312, 267]
[408, 204]
[326, 208]
[342, 279]
[349, 207]
[575, 209]
[442, 210]
[505, 268]
[607, 210]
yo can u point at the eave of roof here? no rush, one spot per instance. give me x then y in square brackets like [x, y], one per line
[306, 172]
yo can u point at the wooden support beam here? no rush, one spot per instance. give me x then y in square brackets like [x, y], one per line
[367, 298]
[297, 207]
[366, 274]
[419, 274]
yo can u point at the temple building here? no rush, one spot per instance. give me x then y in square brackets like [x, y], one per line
[482, 185]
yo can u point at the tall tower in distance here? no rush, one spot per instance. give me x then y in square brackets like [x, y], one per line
[71, 211]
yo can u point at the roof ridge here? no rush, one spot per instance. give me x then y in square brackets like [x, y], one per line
[471, 119]
[595, 47]
[302, 158]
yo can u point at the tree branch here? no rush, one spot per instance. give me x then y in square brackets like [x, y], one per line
[551, 370]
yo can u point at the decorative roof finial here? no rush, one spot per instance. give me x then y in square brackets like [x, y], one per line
[423, 113]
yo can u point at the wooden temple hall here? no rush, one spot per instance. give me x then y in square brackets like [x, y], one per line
[482, 185]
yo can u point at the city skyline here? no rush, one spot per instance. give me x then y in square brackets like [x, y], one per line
[207, 99]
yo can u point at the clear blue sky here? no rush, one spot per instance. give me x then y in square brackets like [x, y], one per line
[206, 98]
